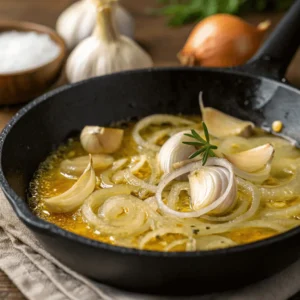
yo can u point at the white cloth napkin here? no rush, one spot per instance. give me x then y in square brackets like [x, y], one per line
[38, 275]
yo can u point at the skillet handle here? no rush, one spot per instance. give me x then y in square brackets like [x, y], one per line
[273, 58]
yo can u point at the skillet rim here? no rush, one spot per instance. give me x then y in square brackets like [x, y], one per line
[34, 223]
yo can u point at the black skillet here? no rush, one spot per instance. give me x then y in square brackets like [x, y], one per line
[254, 91]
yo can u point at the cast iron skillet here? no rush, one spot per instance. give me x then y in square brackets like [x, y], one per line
[49, 120]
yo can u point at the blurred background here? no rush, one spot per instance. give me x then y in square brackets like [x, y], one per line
[162, 26]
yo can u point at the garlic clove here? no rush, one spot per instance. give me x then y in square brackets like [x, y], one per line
[222, 125]
[75, 196]
[225, 184]
[95, 139]
[106, 51]
[252, 160]
[78, 21]
[174, 151]
[208, 184]
[76, 166]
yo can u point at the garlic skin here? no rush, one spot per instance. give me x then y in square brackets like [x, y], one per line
[78, 21]
[75, 167]
[252, 160]
[208, 184]
[222, 125]
[174, 151]
[95, 139]
[75, 196]
[106, 51]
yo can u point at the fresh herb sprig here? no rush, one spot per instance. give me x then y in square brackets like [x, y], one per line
[185, 11]
[204, 146]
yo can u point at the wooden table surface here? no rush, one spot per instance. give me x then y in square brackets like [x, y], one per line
[160, 41]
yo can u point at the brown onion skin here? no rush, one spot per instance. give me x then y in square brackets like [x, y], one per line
[222, 40]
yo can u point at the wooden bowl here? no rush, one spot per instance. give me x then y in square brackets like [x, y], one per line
[22, 86]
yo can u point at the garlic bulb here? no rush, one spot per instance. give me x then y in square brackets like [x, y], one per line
[75, 196]
[222, 125]
[173, 151]
[208, 184]
[252, 160]
[95, 139]
[76, 166]
[106, 51]
[78, 21]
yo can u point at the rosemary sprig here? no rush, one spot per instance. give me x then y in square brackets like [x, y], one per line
[203, 145]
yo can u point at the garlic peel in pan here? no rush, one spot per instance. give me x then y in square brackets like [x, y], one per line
[75, 196]
[222, 125]
[95, 139]
[106, 51]
[252, 160]
[76, 166]
[174, 151]
[208, 184]
[78, 21]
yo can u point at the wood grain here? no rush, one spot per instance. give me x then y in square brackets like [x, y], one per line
[151, 32]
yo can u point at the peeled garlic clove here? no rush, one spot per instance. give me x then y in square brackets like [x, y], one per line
[222, 203]
[173, 151]
[75, 196]
[208, 184]
[95, 139]
[252, 160]
[222, 125]
[76, 166]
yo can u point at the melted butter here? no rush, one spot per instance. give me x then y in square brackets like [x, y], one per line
[48, 182]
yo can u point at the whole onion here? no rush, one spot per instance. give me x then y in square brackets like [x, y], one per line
[222, 40]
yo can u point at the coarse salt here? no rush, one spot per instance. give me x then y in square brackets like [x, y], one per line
[20, 51]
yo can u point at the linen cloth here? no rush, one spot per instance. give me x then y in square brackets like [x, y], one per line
[38, 275]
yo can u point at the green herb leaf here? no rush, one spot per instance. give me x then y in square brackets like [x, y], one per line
[205, 132]
[194, 143]
[205, 148]
[198, 152]
[185, 11]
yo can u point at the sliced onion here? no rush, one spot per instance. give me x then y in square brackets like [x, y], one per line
[251, 189]
[208, 229]
[236, 213]
[175, 191]
[152, 203]
[257, 177]
[105, 177]
[115, 211]
[283, 212]
[155, 120]
[163, 231]
[189, 168]
[213, 242]
[284, 191]
[175, 244]
[133, 180]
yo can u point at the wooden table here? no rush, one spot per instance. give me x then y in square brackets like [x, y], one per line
[160, 41]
